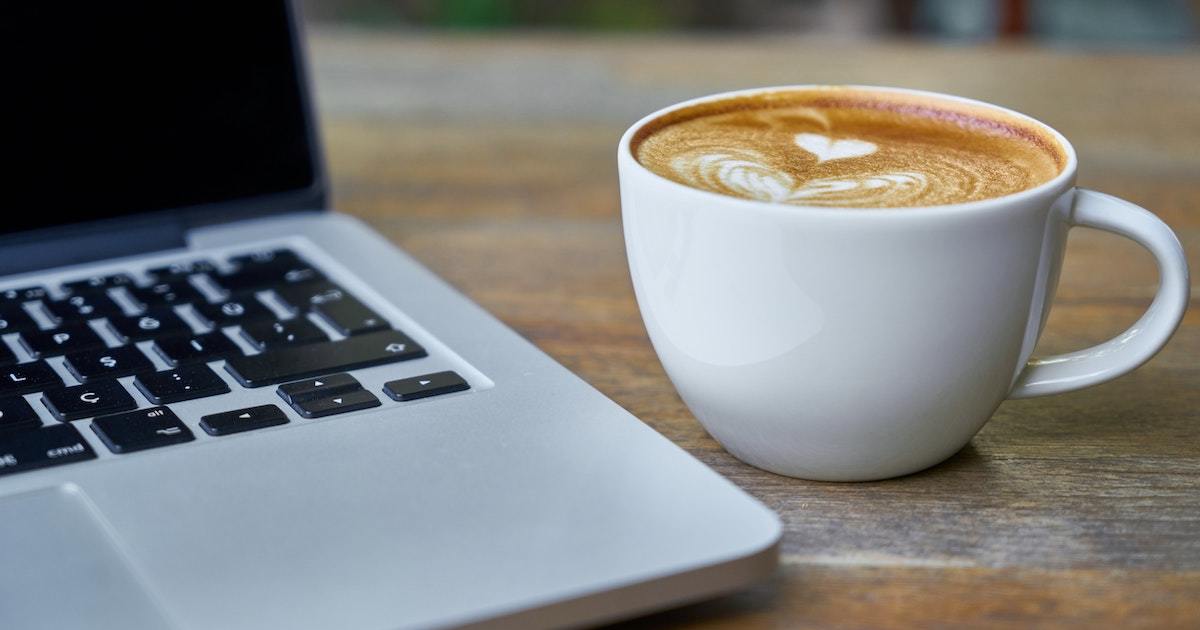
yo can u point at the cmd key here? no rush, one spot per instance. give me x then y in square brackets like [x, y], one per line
[294, 363]
[38, 448]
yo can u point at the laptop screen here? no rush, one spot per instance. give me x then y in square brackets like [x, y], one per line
[111, 109]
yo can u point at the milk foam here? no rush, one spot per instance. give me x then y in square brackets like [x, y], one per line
[851, 156]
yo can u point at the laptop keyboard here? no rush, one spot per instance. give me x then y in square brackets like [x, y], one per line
[269, 319]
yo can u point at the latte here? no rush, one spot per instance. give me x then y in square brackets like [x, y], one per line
[849, 147]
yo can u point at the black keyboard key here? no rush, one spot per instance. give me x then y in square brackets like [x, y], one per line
[267, 258]
[24, 294]
[181, 270]
[158, 322]
[199, 349]
[264, 335]
[425, 386]
[240, 420]
[182, 383]
[90, 365]
[79, 308]
[290, 364]
[338, 403]
[27, 378]
[319, 387]
[301, 297]
[61, 340]
[233, 312]
[98, 284]
[167, 294]
[258, 278]
[14, 318]
[7, 356]
[349, 317]
[38, 448]
[85, 401]
[16, 414]
[141, 429]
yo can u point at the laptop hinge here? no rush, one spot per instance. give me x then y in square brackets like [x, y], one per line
[71, 247]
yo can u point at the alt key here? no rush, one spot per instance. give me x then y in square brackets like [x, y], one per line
[425, 386]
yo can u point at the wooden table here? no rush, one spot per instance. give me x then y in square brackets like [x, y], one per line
[491, 159]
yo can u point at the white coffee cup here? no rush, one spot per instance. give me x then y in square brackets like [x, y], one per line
[851, 345]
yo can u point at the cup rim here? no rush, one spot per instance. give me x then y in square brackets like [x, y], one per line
[625, 156]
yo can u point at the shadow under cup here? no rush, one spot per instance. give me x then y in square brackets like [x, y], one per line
[854, 344]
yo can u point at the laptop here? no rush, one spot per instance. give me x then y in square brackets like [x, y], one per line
[223, 405]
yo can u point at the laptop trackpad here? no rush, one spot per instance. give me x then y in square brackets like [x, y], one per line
[62, 569]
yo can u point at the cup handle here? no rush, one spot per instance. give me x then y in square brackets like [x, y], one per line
[1125, 352]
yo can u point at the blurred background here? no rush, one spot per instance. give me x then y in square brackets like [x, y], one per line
[1143, 23]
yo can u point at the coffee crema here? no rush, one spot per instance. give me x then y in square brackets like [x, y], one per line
[849, 147]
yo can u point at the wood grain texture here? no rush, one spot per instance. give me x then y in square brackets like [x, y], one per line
[491, 159]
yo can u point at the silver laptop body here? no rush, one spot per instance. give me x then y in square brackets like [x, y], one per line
[520, 497]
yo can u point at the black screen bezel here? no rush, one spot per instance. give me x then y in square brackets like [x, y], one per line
[178, 220]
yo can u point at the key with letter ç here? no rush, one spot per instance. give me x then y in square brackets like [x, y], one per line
[141, 429]
[85, 401]
[294, 363]
[38, 448]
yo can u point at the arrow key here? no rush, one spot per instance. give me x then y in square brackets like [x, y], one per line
[338, 403]
[319, 387]
[425, 386]
[240, 420]
[141, 429]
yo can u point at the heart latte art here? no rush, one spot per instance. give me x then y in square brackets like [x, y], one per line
[848, 148]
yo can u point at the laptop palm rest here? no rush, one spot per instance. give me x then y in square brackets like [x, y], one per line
[63, 569]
